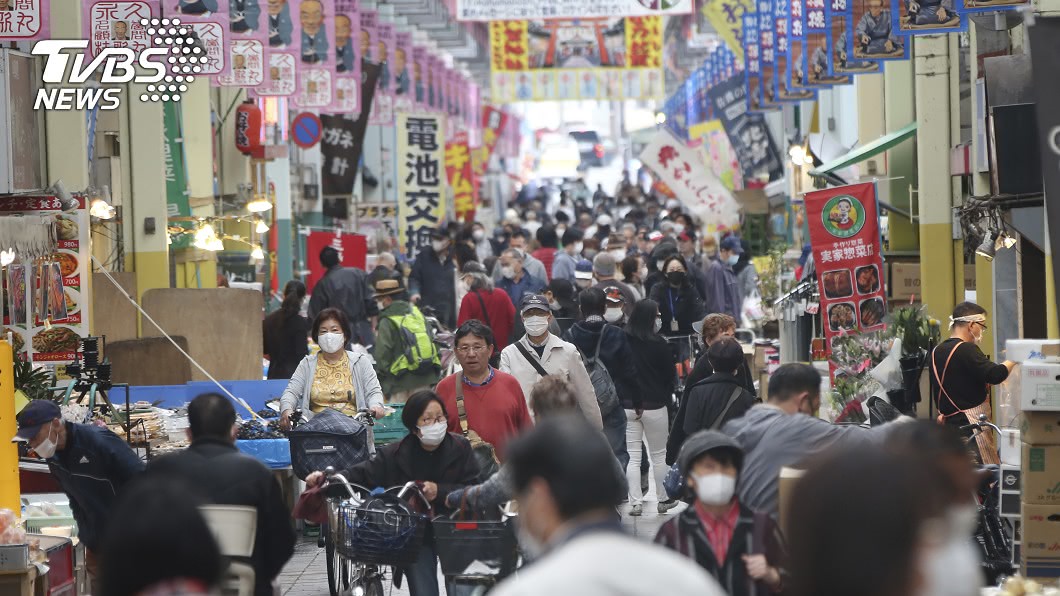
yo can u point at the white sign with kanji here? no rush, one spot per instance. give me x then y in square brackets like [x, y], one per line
[690, 179]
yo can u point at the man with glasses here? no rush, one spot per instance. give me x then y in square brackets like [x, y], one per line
[961, 374]
[493, 400]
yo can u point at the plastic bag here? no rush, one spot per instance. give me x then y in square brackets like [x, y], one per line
[889, 372]
[753, 312]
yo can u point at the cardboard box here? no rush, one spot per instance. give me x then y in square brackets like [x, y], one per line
[763, 386]
[905, 280]
[1039, 428]
[1041, 540]
[1011, 448]
[789, 477]
[1040, 387]
[1040, 475]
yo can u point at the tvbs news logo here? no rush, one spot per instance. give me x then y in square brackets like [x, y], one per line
[166, 67]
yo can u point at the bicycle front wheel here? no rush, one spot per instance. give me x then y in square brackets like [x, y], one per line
[339, 569]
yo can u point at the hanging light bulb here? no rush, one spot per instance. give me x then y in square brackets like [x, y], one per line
[7, 257]
[797, 153]
[262, 227]
[205, 232]
[987, 249]
[257, 254]
[259, 205]
[216, 244]
[100, 209]
[1008, 240]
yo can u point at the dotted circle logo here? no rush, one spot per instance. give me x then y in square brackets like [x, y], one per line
[185, 60]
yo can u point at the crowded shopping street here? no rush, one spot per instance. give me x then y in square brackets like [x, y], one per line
[534, 297]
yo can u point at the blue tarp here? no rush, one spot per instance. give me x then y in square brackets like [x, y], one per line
[274, 453]
[256, 393]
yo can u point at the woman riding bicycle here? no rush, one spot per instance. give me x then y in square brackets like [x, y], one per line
[439, 462]
[336, 378]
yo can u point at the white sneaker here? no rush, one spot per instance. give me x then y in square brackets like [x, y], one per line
[636, 510]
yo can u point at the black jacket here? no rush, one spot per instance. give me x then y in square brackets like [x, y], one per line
[685, 301]
[705, 403]
[435, 281]
[451, 466]
[92, 469]
[615, 354]
[285, 342]
[655, 362]
[218, 473]
[346, 288]
[703, 369]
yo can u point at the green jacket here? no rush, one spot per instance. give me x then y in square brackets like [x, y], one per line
[388, 348]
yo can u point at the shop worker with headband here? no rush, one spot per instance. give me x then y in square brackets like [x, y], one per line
[961, 375]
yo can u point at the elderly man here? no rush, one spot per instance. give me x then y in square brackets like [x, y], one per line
[533, 266]
[931, 12]
[873, 34]
[516, 280]
[605, 271]
[343, 47]
[314, 37]
[280, 26]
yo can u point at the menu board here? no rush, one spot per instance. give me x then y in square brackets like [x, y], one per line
[47, 300]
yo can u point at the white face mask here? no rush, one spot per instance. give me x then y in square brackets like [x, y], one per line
[952, 567]
[508, 272]
[583, 283]
[478, 235]
[643, 273]
[552, 304]
[613, 315]
[47, 447]
[331, 342]
[535, 326]
[658, 325]
[531, 546]
[439, 245]
[678, 228]
[432, 435]
[715, 489]
[380, 305]
[732, 260]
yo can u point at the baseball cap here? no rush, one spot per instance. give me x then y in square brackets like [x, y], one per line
[534, 302]
[685, 237]
[614, 295]
[36, 414]
[732, 244]
[604, 220]
[583, 270]
[655, 236]
[700, 443]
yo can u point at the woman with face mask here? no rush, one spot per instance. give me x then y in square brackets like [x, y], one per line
[335, 378]
[743, 550]
[436, 460]
[961, 374]
[679, 303]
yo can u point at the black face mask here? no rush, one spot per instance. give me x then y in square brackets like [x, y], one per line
[676, 278]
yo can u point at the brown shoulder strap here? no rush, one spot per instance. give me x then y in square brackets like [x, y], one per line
[942, 388]
[460, 402]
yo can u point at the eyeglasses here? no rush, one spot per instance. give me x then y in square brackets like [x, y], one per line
[983, 325]
[469, 349]
[430, 421]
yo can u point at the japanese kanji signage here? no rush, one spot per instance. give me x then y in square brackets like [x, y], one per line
[458, 172]
[691, 180]
[247, 66]
[116, 24]
[576, 59]
[845, 236]
[747, 132]
[281, 78]
[493, 121]
[491, 10]
[25, 20]
[727, 18]
[382, 110]
[337, 153]
[420, 179]
[212, 36]
[315, 25]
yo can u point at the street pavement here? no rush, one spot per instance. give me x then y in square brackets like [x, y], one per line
[306, 573]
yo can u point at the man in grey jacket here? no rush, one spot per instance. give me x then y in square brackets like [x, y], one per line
[785, 432]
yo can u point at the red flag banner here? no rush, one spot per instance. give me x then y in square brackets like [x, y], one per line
[845, 235]
[493, 121]
[458, 171]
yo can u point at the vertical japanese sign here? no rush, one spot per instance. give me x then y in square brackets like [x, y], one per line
[841, 39]
[38, 292]
[337, 154]
[727, 18]
[116, 24]
[869, 32]
[250, 32]
[421, 190]
[382, 113]
[1045, 55]
[419, 76]
[458, 172]
[748, 134]
[403, 91]
[817, 55]
[281, 78]
[315, 25]
[347, 57]
[752, 46]
[493, 121]
[247, 64]
[25, 20]
[212, 36]
[173, 160]
[845, 236]
[767, 36]
[785, 92]
[682, 169]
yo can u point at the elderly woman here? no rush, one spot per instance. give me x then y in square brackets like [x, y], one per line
[438, 461]
[336, 378]
[486, 303]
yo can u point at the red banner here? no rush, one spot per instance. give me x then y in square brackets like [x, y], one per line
[845, 234]
[493, 121]
[353, 252]
[458, 171]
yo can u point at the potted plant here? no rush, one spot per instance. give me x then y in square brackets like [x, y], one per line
[919, 334]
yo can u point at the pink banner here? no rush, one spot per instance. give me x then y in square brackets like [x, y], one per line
[419, 76]
[281, 75]
[197, 11]
[347, 57]
[402, 71]
[25, 20]
[246, 21]
[382, 113]
[212, 35]
[116, 24]
[249, 34]
[246, 64]
[315, 24]
[434, 79]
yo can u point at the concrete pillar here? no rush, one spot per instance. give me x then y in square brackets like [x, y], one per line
[899, 110]
[932, 63]
[66, 133]
[143, 164]
[278, 173]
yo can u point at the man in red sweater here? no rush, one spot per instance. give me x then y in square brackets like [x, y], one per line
[493, 400]
[487, 304]
[548, 239]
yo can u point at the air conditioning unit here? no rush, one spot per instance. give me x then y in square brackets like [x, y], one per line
[22, 156]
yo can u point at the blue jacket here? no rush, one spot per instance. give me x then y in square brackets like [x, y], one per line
[92, 469]
[435, 281]
[615, 354]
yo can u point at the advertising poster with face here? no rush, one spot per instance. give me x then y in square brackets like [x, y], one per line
[117, 24]
[870, 31]
[923, 17]
[196, 11]
[281, 76]
[403, 91]
[25, 20]
[840, 19]
[382, 113]
[419, 76]
[315, 26]
[347, 58]
[213, 34]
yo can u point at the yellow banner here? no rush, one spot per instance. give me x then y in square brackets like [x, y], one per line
[421, 178]
[727, 18]
[509, 45]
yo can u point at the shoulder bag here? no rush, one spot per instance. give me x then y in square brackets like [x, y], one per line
[485, 454]
[534, 362]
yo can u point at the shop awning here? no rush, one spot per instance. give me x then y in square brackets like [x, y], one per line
[866, 151]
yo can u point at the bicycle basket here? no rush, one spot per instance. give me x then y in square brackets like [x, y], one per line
[329, 439]
[475, 548]
[383, 531]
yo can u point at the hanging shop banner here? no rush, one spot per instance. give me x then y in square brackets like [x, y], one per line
[212, 36]
[247, 21]
[866, 31]
[975, 6]
[845, 236]
[568, 59]
[752, 62]
[382, 112]
[25, 20]
[766, 89]
[918, 17]
[403, 92]
[315, 24]
[337, 153]
[1045, 55]
[352, 249]
[421, 186]
[420, 73]
[197, 11]
[347, 57]
[491, 10]
[433, 68]
[458, 172]
[493, 126]
[281, 78]
[117, 24]
[40, 291]
[748, 134]
[817, 63]
[784, 55]
[247, 64]
[841, 36]
[177, 204]
[681, 169]
[726, 16]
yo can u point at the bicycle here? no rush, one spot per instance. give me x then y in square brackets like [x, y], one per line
[369, 532]
[992, 534]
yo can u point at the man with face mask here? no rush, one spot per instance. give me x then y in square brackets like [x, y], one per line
[90, 463]
[431, 280]
[722, 288]
[583, 274]
[605, 269]
[539, 354]
[483, 246]
[515, 279]
[567, 258]
[961, 373]
[785, 432]
[741, 548]
[406, 358]
[347, 289]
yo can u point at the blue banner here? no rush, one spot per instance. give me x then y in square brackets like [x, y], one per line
[923, 17]
[867, 31]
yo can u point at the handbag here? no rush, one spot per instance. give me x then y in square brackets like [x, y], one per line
[484, 453]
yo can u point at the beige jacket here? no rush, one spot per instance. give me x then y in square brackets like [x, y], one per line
[560, 359]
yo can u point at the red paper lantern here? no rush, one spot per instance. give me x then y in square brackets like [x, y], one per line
[248, 128]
